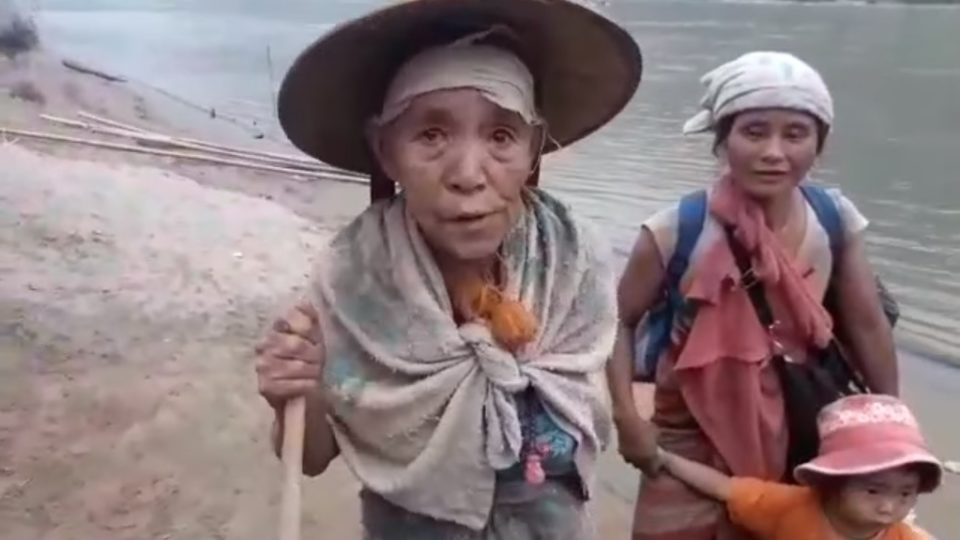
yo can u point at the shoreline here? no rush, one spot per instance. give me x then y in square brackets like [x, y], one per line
[927, 355]
[64, 92]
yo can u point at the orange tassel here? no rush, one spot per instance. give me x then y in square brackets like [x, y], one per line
[511, 324]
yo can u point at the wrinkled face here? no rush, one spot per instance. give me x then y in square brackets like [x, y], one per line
[769, 151]
[462, 162]
[879, 500]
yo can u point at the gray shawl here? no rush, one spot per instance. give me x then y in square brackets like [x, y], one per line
[423, 410]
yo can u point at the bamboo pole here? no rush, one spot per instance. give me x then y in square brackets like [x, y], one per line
[288, 157]
[294, 416]
[77, 66]
[168, 141]
[273, 87]
[111, 123]
[181, 155]
[93, 127]
[286, 161]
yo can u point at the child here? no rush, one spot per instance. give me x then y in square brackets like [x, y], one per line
[872, 466]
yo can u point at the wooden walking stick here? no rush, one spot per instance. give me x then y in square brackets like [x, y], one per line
[294, 413]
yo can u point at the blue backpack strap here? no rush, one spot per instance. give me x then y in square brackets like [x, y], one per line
[828, 214]
[690, 218]
[691, 215]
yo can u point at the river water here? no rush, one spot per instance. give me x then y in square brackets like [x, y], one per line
[894, 70]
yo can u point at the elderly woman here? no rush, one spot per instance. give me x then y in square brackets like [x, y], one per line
[453, 348]
[721, 394]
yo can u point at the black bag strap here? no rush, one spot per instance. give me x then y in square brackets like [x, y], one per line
[758, 298]
[750, 281]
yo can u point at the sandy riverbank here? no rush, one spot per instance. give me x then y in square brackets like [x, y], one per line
[131, 290]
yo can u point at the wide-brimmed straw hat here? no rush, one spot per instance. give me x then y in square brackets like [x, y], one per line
[866, 434]
[586, 69]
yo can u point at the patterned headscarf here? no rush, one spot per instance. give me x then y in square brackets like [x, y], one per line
[761, 80]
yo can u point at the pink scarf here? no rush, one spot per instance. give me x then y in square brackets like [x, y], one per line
[722, 363]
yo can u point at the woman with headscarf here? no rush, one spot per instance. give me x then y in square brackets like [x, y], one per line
[718, 398]
[452, 350]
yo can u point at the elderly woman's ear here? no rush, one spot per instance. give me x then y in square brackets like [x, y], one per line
[376, 139]
[541, 137]
[384, 146]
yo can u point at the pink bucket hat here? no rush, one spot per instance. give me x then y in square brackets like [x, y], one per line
[865, 434]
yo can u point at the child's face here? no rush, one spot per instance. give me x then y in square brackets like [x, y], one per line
[881, 499]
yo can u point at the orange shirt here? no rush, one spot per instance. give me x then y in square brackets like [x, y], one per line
[775, 511]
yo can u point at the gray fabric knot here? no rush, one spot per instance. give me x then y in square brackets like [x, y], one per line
[498, 365]
[501, 420]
